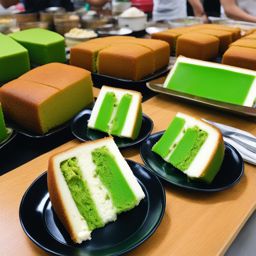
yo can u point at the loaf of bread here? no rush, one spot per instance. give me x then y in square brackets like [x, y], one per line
[198, 46]
[14, 59]
[47, 96]
[245, 43]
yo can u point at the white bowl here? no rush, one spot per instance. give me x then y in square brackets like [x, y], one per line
[134, 23]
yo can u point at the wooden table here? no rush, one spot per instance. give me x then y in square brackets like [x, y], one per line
[193, 224]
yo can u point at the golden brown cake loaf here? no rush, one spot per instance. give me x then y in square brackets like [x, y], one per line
[245, 43]
[225, 37]
[160, 49]
[236, 32]
[47, 96]
[251, 36]
[198, 46]
[168, 37]
[240, 57]
[84, 55]
[127, 61]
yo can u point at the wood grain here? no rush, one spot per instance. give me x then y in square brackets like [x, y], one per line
[193, 224]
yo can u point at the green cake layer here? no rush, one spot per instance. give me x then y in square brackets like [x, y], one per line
[210, 82]
[3, 130]
[112, 114]
[80, 193]
[162, 147]
[187, 148]
[14, 59]
[105, 112]
[111, 176]
[121, 113]
[44, 46]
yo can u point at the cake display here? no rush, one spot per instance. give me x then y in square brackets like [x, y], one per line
[43, 46]
[122, 57]
[117, 112]
[89, 185]
[14, 59]
[198, 46]
[192, 146]
[3, 129]
[213, 81]
[47, 96]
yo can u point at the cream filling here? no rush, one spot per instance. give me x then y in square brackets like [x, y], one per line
[131, 118]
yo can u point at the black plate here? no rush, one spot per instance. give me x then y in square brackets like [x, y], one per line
[35, 135]
[11, 134]
[231, 170]
[128, 84]
[82, 132]
[129, 231]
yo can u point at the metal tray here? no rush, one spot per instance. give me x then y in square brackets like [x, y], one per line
[157, 86]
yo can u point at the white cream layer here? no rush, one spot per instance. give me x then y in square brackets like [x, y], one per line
[202, 159]
[251, 96]
[99, 193]
[131, 118]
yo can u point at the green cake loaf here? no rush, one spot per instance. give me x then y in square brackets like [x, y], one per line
[47, 96]
[44, 46]
[89, 185]
[117, 112]
[3, 130]
[14, 59]
[193, 146]
[213, 81]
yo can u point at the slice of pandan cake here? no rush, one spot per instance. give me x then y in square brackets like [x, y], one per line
[193, 146]
[89, 185]
[117, 112]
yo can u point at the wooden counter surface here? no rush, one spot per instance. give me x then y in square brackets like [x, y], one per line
[193, 224]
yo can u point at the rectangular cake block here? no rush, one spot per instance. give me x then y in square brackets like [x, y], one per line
[213, 81]
[44, 46]
[236, 32]
[14, 59]
[198, 46]
[167, 36]
[117, 112]
[242, 57]
[39, 103]
[160, 49]
[89, 185]
[85, 54]
[245, 43]
[251, 36]
[225, 37]
[127, 61]
[193, 146]
[3, 130]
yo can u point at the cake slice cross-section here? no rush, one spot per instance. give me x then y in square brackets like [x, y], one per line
[117, 112]
[89, 185]
[192, 146]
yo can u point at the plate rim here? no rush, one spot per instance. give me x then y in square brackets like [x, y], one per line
[189, 188]
[134, 143]
[135, 245]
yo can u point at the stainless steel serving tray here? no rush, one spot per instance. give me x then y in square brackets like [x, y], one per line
[157, 86]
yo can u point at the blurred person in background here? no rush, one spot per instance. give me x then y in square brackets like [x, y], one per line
[244, 10]
[173, 9]
[39, 5]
